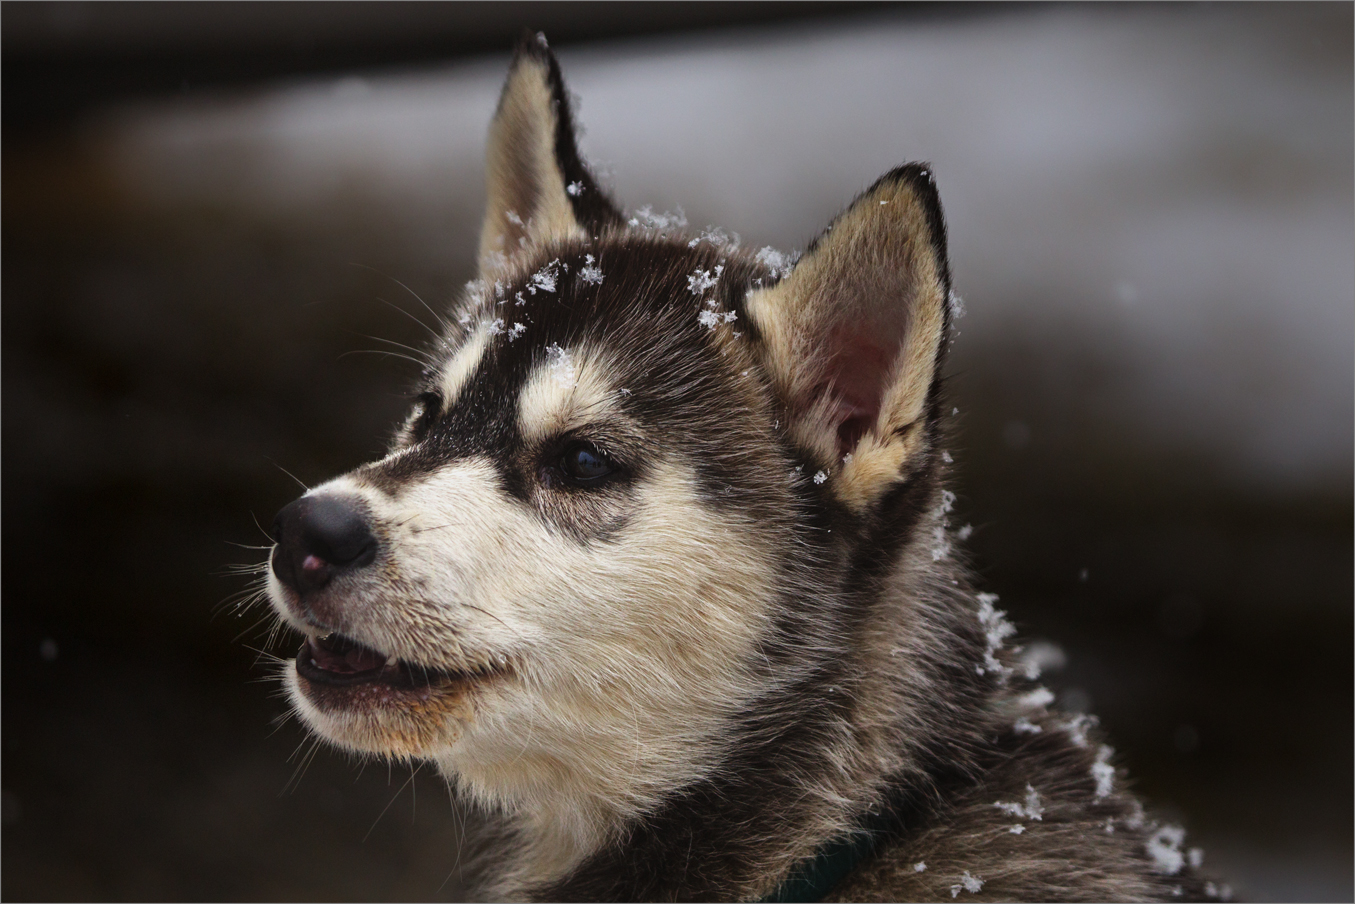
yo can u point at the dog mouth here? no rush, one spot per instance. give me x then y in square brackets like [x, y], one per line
[340, 661]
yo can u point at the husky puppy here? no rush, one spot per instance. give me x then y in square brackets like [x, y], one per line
[658, 570]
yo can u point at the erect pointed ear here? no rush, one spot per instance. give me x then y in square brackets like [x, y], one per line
[853, 338]
[539, 189]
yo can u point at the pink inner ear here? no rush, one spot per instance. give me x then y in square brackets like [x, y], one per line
[859, 363]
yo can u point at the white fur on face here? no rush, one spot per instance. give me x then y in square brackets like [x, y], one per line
[623, 659]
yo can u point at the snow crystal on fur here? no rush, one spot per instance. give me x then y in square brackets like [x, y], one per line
[996, 629]
[1103, 772]
[967, 883]
[590, 272]
[561, 365]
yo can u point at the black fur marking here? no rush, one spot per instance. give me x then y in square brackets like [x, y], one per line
[643, 322]
[594, 210]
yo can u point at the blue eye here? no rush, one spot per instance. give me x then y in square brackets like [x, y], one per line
[584, 464]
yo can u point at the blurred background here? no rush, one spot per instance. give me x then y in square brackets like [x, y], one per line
[211, 210]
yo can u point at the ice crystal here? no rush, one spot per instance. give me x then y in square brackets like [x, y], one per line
[1103, 772]
[561, 365]
[701, 280]
[1164, 847]
[1032, 808]
[967, 883]
[1036, 699]
[1041, 655]
[545, 278]
[714, 235]
[996, 629]
[1078, 726]
[941, 548]
[590, 272]
[646, 218]
[477, 289]
[956, 305]
[779, 263]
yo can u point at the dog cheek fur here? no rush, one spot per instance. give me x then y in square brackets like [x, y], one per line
[633, 693]
[629, 656]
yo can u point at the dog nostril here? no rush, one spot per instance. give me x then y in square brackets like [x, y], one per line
[319, 536]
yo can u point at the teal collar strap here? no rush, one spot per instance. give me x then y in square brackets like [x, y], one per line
[812, 880]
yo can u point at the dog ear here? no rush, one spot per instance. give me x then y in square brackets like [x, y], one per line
[539, 189]
[854, 337]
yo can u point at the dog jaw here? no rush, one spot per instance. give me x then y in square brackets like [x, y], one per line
[377, 719]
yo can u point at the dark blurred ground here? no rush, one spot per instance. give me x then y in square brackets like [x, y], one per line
[163, 362]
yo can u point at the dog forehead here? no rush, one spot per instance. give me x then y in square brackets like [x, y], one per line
[642, 300]
[583, 332]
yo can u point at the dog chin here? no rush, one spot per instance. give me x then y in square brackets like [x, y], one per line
[393, 714]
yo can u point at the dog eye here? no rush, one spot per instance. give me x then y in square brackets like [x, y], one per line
[583, 464]
[430, 405]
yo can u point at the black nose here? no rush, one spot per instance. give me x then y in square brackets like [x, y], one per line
[319, 536]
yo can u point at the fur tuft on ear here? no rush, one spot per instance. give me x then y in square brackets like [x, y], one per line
[539, 188]
[854, 337]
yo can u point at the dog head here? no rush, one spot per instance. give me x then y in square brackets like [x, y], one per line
[634, 496]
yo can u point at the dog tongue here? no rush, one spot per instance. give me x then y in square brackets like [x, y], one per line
[336, 653]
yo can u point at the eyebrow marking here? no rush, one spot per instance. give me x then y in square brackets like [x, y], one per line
[566, 390]
[458, 369]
